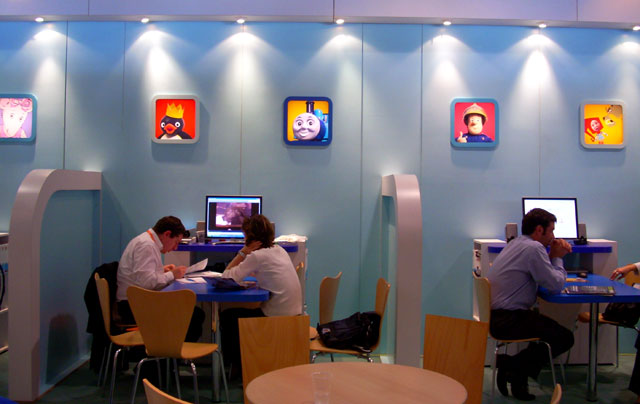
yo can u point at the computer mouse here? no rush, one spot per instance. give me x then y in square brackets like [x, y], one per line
[582, 274]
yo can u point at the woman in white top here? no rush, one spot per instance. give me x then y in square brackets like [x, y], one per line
[271, 266]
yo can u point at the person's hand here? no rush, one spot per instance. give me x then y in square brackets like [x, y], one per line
[559, 248]
[251, 247]
[178, 272]
[621, 272]
[461, 138]
[169, 267]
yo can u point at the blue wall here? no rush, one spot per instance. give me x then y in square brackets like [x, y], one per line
[391, 86]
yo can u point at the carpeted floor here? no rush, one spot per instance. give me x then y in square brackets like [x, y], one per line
[80, 386]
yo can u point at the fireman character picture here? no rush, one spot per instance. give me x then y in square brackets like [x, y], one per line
[601, 126]
[175, 119]
[307, 121]
[474, 122]
[17, 118]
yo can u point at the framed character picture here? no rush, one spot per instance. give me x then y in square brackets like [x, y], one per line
[474, 123]
[602, 125]
[17, 118]
[175, 119]
[308, 121]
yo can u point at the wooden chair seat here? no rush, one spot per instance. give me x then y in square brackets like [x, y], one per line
[317, 346]
[157, 396]
[128, 339]
[313, 333]
[585, 317]
[194, 350]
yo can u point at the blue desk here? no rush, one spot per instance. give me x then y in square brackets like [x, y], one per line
[624, 293]
[228, 248]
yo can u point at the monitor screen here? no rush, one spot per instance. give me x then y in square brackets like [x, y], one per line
[224, 214]
[565, 210]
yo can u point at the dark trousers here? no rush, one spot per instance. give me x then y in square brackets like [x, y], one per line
[230, 334]
[519, 324]
[195, 326]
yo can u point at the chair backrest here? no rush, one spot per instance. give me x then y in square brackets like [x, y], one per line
[483, 296]
[163, 318]
[631, 278]
[456, 347]
[103, 295]
[157, 396]
[557, 395]
[271, 343]
[382, 293]
[327, 298]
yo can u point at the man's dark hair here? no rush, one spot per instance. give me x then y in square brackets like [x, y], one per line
[536, 217]
[171, 223]
[258, 228]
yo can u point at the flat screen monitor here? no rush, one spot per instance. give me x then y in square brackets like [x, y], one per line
[565, 210]
[224, 215]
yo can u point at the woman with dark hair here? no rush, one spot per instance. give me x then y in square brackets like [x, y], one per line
[271, 266]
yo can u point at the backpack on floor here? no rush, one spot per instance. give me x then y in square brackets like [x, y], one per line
[360, 331]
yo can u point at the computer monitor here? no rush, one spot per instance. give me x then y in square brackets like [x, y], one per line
[565, 210]
[224, 215]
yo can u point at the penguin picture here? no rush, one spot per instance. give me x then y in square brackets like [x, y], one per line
[175, 119]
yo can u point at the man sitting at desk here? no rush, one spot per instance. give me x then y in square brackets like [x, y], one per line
[515, 275]
[274, 271]
[141, 265]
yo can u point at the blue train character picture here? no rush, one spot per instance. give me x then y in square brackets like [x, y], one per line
[307, 121]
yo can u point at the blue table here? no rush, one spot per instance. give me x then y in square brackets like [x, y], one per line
[205, 292]
[624, 294]
[230, 248]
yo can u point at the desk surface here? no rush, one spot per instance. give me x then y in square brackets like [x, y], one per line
[205, 292]
[357, 382]
[624, 293]
[231, 248]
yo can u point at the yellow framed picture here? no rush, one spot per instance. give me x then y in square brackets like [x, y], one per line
[602, 125]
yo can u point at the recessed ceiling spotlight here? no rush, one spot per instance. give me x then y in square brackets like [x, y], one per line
[340, 21]
[542, 25]
[144, 20]
[446, 22]
[636, 28]
[39, 19]
[240, 21]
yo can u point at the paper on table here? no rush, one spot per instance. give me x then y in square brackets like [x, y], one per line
[204, 274]
[199, 266]
[191, 280]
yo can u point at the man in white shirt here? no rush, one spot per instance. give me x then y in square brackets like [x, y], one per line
[141, 265]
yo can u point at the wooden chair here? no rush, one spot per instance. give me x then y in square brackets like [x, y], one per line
[557, 395]
[456, 347]
[157, 396]
[271, 343]
[327, 302]
[483, 294]
[125, 340]
[382, 293]
[163, 319]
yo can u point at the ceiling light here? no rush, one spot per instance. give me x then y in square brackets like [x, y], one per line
[542, 25]
[144, 20]
[636, 27]
[340, 21]
[39, 19]
[240, 20]
[446, 22]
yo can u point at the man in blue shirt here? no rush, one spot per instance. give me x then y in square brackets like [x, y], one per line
[522, 266]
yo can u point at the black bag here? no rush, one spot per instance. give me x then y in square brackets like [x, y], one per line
[626, 314]
[360, 331]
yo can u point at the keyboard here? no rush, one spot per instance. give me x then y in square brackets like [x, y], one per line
[590, 290]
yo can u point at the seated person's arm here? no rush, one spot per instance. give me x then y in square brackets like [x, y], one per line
[549, 272]
[147, 272]
[623, 271]
[243, 264]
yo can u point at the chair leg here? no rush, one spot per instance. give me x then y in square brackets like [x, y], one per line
[113, 375]
[494, 369]
[224, 376]
[102, 363]
[176, 372]
[553, 371]
[195, 383]
[135, 379]
[331, 355]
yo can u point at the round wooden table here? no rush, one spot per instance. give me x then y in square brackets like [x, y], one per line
[357, 382]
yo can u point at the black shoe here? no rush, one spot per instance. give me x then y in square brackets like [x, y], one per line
[521, 391]
[501, 381]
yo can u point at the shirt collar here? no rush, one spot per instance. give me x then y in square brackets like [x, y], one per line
[155, 238]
